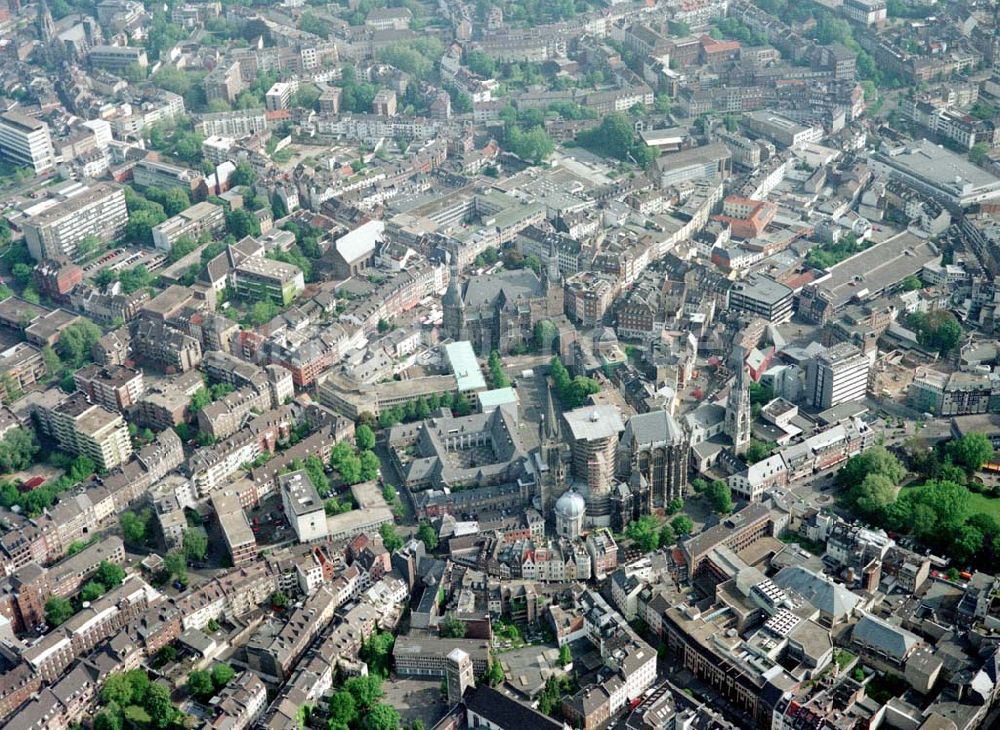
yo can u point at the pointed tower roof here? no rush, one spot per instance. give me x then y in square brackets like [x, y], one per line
[453, 296]
[549, 417]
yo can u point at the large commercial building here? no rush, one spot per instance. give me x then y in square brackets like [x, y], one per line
[91, 430]
[26, 141]
[838, 375]
[73, 212]
[303, 506]
[939, 172]
[117, 58]
[782, 130]
[192, 222]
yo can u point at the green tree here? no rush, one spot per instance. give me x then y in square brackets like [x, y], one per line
[938, 329]
[565, 657]
[369, 466]
[427, 535]
[17, 450]
[175, 565]
[75, 342]
[343, 709]
[720, 496]
[91, 591]
[367, 691]
[109, 718]
[390, 538]
[241, 224]
[873, 495]
[979, 153]
[222, 674]
[877, 460]
[912, 283]
[480, 64]
[195, 544]
[971, 451]
[157, 703]
[757, 451]
[615, 137]
[364, 437]
[376, 652]
[644, 532]
[497, 375]
[279, 601]
[382, 717]
[682, 525]
[134, 527]
[243, 175]
[57, 610]
[667, 536]
[110, 574]
[452, 627]
[199, 684]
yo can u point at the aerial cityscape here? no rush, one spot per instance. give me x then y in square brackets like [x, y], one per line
[507, 364]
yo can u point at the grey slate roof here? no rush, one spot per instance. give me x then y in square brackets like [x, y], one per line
[893, 640]
[821, 592]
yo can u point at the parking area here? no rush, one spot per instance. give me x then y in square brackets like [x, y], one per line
[267, 520]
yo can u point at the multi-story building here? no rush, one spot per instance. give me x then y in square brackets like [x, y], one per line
[782, 130]
[115, 387]
[22, 366]
[235, 527]
[763, 297]
[303, 506]
[55, 226]
[89, 429]
[117, 58]
[865, 12]
[193, 222]
[154, 174]
[57, 278]
[163, 347]
[587, 296]
[261, 278]
[233, 125]
[837, 375]
[26, 141]
[279, 96]
[954, 394]
[224, 82]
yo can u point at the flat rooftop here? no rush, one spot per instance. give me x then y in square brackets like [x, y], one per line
[465, 366]
[870, 272]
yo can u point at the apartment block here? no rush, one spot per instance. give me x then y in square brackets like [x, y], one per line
[193, 222]
[260, 278]
[73, 211]
[26, 142]
[22, 366]
[235, 527]
[89, 429]
[115, 387]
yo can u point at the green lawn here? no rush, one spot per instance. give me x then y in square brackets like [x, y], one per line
[981, 503]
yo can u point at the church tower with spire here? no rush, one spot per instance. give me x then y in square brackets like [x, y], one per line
[46, 26]
[737, 424]
[453, 320]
